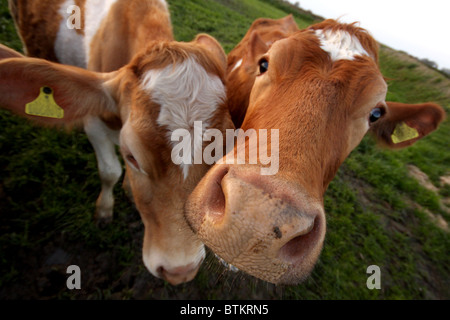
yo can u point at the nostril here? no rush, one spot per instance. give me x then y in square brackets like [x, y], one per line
[216, 197]
[208, 201]
[160, 271]
[298, 248]
[217, 203]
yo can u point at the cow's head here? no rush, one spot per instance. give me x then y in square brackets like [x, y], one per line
[167, 87]
[323, 90]
[242, 60]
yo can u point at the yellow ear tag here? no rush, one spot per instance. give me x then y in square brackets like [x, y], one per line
[45, 105]
[403, 133]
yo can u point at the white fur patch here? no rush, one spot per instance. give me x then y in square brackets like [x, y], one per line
[340, 44]
[186, 93]
[69, 45]
[237, 65]
[95, 12]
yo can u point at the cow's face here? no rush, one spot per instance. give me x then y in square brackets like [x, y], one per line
[174, 85]
[164, 90]
[243, 61]
[322, 89]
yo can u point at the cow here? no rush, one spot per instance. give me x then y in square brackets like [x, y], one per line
[124, 78]
[322, 89]
[241, 71]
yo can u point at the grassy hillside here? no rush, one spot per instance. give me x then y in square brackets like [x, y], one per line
[378, 214]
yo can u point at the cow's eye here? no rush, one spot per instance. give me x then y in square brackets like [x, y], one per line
[263, 66]
[132, 160]
[376, 114]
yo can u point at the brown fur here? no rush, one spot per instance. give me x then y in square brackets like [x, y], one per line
[6, 53]
[261, 35]
[37, 23]
[22, 78]
[321, 109]
[126, 31]
[135, 38]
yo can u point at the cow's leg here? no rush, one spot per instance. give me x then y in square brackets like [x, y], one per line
[103, 139]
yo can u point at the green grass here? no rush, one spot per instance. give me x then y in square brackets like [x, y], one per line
[7, 30]
[226, 20]
[376, 213]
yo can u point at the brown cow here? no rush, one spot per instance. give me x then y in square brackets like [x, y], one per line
[243, 58]
[140, 87]
[322, 89]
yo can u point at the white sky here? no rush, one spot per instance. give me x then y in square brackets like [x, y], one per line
[421, 28]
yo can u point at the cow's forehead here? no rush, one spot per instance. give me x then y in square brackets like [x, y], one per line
[313, 57]
[158, 56]
[313, 45]
[171, 98]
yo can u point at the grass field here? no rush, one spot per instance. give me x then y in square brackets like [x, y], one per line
[377, 213]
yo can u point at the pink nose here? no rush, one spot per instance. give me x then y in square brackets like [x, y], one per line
[180, 274]
[270, 228]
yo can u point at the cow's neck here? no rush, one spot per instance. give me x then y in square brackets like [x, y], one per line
[125, 31]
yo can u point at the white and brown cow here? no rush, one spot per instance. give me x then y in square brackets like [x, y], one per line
[138, 88]
[323, 90]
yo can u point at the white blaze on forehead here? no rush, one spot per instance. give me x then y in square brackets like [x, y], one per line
[237, 65]
[186, 94]
[95, 12]
[340, 44]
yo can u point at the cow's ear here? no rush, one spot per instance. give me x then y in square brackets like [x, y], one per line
[289, 25]
[213, 46]
[404, 124]
[257, 47]
[51, 93]
[6, 53]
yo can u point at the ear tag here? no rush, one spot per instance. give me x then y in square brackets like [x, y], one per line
[403, 133]
[45, 105]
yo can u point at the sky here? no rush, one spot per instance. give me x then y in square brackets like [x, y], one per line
[420, 28]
